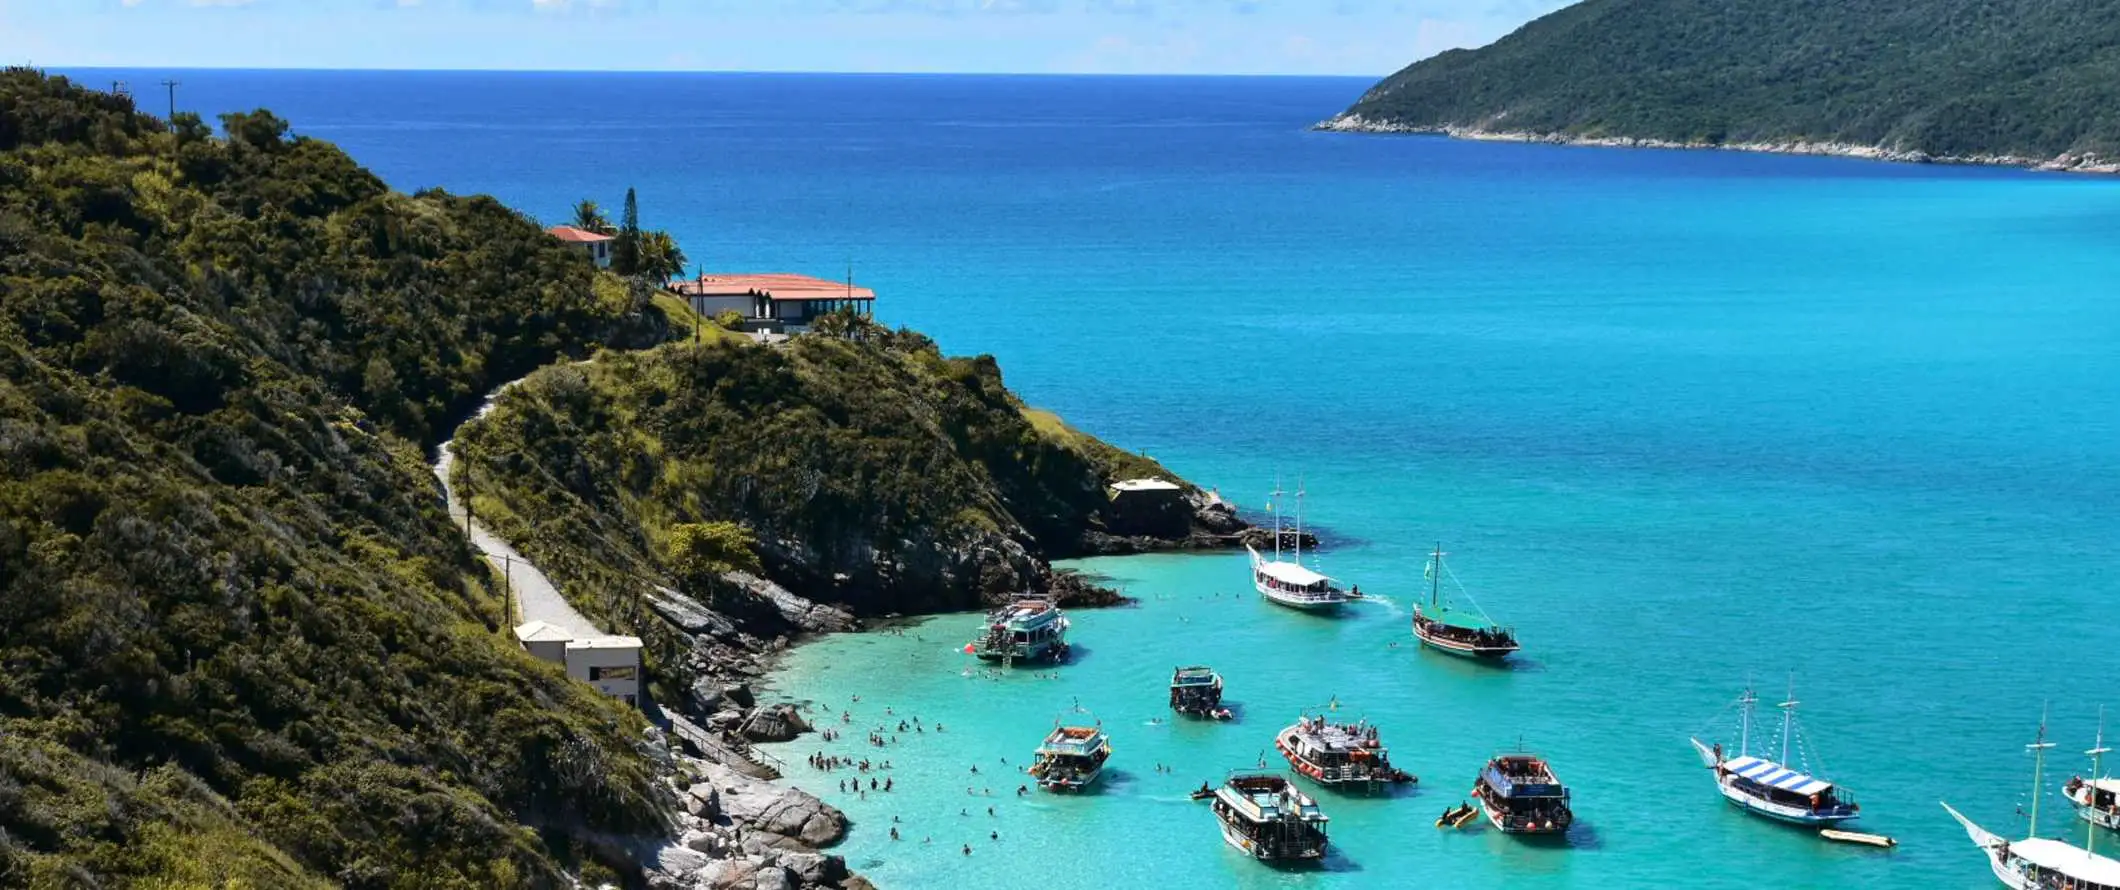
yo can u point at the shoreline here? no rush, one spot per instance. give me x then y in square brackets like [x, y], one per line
[2065, 163]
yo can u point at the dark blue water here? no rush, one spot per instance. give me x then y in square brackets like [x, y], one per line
[1683, 418]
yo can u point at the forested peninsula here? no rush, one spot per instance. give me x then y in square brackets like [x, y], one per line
[246, 645]
[2032, 83]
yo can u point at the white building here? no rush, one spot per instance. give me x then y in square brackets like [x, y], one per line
[544, 641]
[611, 664]
[775, 300]
[596, 244]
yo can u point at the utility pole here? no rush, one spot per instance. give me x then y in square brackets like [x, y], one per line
[171, 85]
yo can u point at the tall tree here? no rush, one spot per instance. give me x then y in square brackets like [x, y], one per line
[660, 257]
[625, 252]
[589, 217]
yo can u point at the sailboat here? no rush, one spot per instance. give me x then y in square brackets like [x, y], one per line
[2096, 799]
[1289, 582]
[1767, 787]
[2037, 863]
[1470, 634]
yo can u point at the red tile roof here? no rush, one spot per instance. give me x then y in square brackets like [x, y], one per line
[773, 285]
[577, 236]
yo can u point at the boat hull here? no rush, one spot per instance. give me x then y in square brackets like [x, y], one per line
[2106, 819]
[1782, 812]
[1078, 783]
[1463, 650]
[1495, 817]
[1370, 781]
[1302, 603]
[1256, 850]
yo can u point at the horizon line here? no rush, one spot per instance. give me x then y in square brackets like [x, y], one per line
[751, 71]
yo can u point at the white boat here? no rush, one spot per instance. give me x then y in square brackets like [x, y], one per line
[2037, 863]
[2096, 799]
[1767, 787]
[1269, 819]
[1287, 581]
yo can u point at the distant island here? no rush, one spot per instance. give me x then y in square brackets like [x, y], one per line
[2030, 83]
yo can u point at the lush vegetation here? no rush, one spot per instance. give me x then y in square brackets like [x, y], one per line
[865, 469]
[243, 644]
[652, 255]
[2027, 78]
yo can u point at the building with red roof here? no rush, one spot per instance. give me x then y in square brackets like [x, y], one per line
[596, 244]
[774, 300]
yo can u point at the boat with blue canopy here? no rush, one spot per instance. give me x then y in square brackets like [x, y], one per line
[1521, 795]
[1029, 629]
[1769, 787]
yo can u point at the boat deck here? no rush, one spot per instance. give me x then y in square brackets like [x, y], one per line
[1073, 741]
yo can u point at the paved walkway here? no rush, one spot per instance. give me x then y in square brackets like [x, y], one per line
[535, 597]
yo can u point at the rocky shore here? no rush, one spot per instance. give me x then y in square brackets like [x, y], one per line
[737, 824]
[2067, 163]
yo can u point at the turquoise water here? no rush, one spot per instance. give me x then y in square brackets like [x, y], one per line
[1683, 419]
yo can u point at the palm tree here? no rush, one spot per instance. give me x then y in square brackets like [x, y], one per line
[589, 217]
[660, 257]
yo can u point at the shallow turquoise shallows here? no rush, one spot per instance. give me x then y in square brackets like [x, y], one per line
[1683, 419]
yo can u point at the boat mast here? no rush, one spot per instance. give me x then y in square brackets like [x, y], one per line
[2090, 793]
[1273, 505]
[1435, 577]
[2038, 749]
[1788, 710]
[1744, 732]
[1299, 520]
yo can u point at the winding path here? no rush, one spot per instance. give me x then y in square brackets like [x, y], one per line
[536, 599]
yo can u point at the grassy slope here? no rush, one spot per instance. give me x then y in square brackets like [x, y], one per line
[244, 645]
[917, 478]
[2032, 78]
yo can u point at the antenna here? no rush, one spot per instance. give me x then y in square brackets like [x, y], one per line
[2038, 749]
[1435, 578]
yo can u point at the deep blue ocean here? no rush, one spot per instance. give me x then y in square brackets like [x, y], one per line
[1684, 419]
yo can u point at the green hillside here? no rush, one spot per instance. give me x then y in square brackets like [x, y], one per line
[243, 644]
[2033, 79]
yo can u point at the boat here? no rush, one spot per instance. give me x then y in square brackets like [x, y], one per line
[1268, 818]
[1769, 788]
[1521, 795]
[1456, 816]
[2037, 863]
[1028, 629]
[1347, 755]
[1197, 690]
[1458, 631]
[1287, 581]
[1071, 758]
[1857, 837]
[2096, 799]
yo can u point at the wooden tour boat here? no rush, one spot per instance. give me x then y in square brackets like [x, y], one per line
[1287, 581]
[1197, 690]
[1456, 630]
[1030, 629]
[1344, 755]
[1071, 758]
[2096, 799]
[1768, 788]
[2037, 863]
[1521, 795]
[1268, 818]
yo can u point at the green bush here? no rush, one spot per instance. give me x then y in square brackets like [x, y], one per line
[244, 643]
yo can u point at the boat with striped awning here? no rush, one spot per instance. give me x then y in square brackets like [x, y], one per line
[1769, 787]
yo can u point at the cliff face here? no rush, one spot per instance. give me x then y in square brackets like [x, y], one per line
[243, 642]
[2000, 81]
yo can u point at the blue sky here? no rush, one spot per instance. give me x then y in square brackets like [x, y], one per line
[1369, 37]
